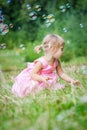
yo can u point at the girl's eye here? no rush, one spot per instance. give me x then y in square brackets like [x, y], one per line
[62, 49]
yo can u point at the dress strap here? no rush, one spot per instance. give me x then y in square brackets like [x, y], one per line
[42, 60]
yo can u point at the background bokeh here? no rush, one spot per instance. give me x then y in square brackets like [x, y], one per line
[24, 23]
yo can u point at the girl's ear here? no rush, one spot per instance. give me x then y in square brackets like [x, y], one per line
[53, 49]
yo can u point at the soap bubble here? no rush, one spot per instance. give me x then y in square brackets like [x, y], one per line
[4, 29]
[62, 8]
[22, 46]
[1, 18]
[28, 6]
[1, 21]
[48, 23]
[44, 16]
[11, 25]
[51, 17]
[38, 8]
[33, 15]
[19, 28]
[49, 20]
[64, 30]
[83, 99]
[68, 41]
[84, 69]
[0, 11]
[68, 5]
[81, 25]
[3, 46]
[8, 1]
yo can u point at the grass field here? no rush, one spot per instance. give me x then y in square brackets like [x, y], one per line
[49, 110]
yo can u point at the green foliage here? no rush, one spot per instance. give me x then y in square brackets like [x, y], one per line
[70, 22]
[29, 54]
[9, 60]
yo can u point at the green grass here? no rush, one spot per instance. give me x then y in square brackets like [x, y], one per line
[10, 60]
[49, 110]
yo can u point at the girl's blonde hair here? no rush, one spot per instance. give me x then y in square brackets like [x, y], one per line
[49, 41]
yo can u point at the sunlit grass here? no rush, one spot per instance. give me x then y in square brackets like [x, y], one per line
[11, 59]
[48, 110]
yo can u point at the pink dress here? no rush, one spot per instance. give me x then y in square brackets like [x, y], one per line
[24, 85]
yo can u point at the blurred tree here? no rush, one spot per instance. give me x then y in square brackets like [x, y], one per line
[31, 19]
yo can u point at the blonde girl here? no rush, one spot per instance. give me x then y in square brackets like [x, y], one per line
[44, 71]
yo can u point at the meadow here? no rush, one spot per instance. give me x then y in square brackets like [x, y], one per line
[64, 109]
[23, 25]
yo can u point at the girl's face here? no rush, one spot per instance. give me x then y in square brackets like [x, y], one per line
[59, 52]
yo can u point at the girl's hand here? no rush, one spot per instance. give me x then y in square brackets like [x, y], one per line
[76, 82]
[45, 80]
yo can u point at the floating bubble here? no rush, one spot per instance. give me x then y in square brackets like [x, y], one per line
[48, 23]
[1, 26]
[63, 115]
[8, 1]
[84, 69]
[5, 26]
[44, 16]
[19, 28]
[68, 5]
[38, 8]
[22, 46]
[68, 41]
[64, 30]
[51, 17]
[60, 117]
[81, 25]
[83, 99]
[33, 15]
[1, 18]
[3, 46]
[4, 29]
[49, 20]
[85, 72]
[0, 11]
[0, 21]
[62, 8]
[28, 6]
[11, 25]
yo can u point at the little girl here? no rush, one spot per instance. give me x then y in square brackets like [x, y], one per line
[44, 71]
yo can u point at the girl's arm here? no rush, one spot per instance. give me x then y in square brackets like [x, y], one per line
[35, 76]
[64, 76]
